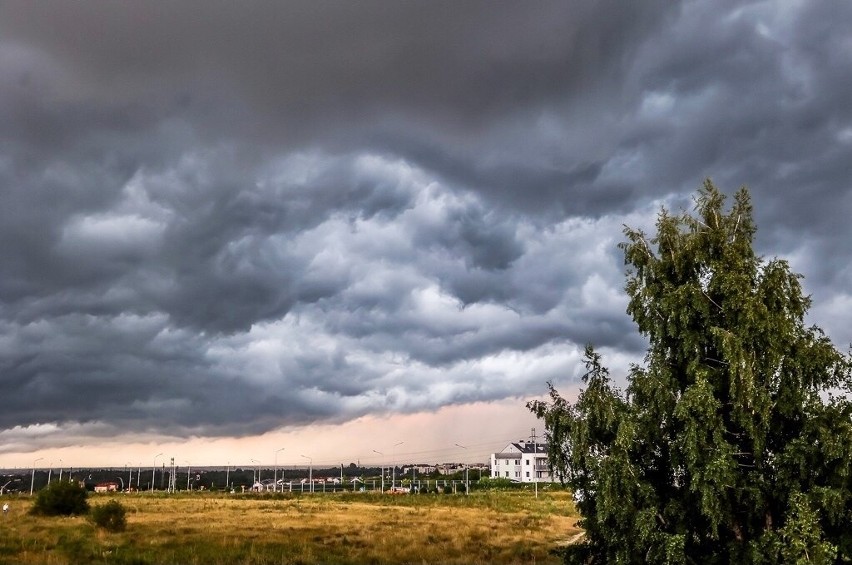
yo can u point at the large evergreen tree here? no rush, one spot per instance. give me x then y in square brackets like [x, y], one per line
[733, 443]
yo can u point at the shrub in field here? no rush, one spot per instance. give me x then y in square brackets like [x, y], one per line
[110, 516]
[498, 483]
[62, 498]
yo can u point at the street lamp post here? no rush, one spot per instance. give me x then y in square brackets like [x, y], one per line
[32, 481]
[127, 465]
[49, 471]
[466, 481]
[383, 470]
[275, 475]
[393, 460]
[154, 472]
[310, 471]
[188, 472]
[228, 478]
[60, 470]
[256, 471]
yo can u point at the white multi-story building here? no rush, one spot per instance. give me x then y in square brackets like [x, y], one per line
[523, 462]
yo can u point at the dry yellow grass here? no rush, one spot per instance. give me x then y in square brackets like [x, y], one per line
[500, 527]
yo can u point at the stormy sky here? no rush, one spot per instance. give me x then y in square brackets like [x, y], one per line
[235, 219]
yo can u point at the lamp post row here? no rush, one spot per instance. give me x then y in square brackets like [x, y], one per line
[257, 471]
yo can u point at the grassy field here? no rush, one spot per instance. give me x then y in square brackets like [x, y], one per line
[357, 528]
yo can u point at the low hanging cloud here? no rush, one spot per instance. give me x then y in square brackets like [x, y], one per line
[222, 219]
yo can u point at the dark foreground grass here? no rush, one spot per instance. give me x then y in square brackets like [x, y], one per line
[485, 527]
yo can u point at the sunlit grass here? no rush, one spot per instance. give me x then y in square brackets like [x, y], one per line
[489, 527]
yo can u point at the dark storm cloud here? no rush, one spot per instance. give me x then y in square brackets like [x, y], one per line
[297, 60]
[441, 76]
[135, 371]
[218, 218]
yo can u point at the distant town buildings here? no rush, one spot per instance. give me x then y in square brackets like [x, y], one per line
[442, 469]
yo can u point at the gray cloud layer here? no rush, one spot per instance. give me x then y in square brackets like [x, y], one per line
[219, 218]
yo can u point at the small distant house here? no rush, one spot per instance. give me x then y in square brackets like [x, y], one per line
[106, 487]
[266, 485]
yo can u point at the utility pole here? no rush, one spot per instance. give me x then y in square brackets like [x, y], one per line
[393, 472]
[256, 475]
[32, 481]
[535, 461]
[310, 471]
[383, 470]
[154, 472]
[275, 474]
[466, 481]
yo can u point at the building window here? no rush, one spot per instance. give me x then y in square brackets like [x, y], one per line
[528, 474]
[507, 473]
[527, 462]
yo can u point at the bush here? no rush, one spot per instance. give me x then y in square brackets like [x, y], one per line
[62, 498]
[110, 516]
[499, 483]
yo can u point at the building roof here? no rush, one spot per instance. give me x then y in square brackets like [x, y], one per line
[529, 447]
[523, 447]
